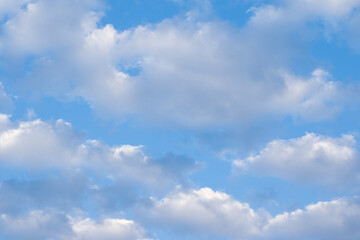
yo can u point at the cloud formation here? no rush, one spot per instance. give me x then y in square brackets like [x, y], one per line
[196, 214]
[38, 146]
[181, 70]
[206, 212]
[332, 220]
[311, 159]
[58, 226]
[108, 229]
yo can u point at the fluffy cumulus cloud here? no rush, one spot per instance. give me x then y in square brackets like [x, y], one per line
[205, 211]
[180, 70]
[37, 146]
[311, 158]
[332, 220]
[108, 229]
[184, 64]
[196, 214]
[57, 225]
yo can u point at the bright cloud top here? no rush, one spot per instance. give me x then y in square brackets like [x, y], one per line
[59, 226]
[207, 212]
[324, 220]
[311, 158]
[39, 146]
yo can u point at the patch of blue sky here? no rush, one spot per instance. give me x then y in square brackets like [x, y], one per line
[338, 58]
[125, 14]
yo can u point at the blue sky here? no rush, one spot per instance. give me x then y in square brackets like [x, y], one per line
[179, 119]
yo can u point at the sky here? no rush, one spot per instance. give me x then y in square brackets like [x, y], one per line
[179, 119]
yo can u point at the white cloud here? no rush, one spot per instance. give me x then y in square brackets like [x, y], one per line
[190, 72]
[332, 220]
[59, 226]
[37, 145]
[335, 16]
[40, 26]
[335, 19]
[326, 8]
[35, 225]
[184, 64]
[195, 214]
[315, 98]
[108, 229]
[327, 12]
[204, 212]
[311, 158]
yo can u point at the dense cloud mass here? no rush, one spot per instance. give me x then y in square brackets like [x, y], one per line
[181, 70]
